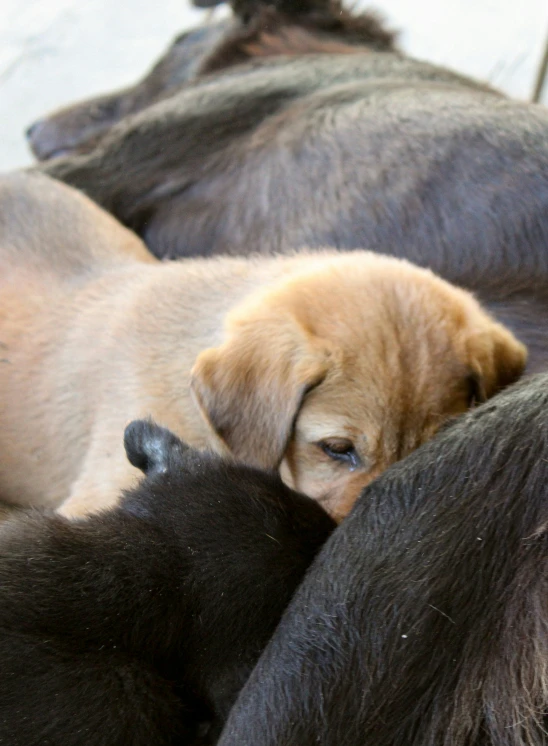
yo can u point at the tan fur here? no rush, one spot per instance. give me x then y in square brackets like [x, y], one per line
[284, 352]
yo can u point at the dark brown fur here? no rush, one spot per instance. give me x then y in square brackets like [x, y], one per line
[280, 29]
[424, 620]
[79, 127]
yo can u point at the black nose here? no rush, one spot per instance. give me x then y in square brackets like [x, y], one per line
[32, 129]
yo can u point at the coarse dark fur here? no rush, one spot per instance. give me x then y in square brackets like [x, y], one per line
[290, 28]
[358, 149]
[139, 626]
[79, 127]
[424, 620]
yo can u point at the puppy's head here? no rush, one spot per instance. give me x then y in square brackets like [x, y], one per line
[339, 371]
[217, 503]
[79, 127]
[231, 543]
[151, 448]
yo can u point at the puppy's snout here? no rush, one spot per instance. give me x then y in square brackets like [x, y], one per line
[40, 139]
[46, 139]
[33, 129]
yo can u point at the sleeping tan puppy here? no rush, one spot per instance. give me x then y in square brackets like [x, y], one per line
[328, 366]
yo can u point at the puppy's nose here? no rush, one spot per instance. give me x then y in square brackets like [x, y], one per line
[44, 139]
[30, 131]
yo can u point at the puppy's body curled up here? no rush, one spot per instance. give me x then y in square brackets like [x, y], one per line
[139, 626]
[326, 365]
[424, 619]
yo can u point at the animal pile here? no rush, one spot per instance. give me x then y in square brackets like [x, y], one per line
[268, 476]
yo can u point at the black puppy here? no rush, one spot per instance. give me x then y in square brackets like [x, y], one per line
[139, 626]
[424, 620]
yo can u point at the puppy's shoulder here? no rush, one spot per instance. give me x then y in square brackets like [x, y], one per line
[54, 228]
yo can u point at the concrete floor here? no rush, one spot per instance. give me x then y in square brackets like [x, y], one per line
[53, 52]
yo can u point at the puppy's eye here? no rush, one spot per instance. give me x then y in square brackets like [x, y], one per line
[476, 390]
[342, 450]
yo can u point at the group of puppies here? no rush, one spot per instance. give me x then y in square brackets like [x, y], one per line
[327, 366]
[267, 393]
[301, 124]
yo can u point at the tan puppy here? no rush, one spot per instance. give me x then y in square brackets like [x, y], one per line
[329, 366]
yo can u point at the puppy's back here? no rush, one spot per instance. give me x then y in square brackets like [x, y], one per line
[49, 227]
[425, 619]
[138, 625]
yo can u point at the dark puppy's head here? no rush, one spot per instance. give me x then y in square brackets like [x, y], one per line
[192, 484]
[151, 448]
[78, 127]
[244, 542]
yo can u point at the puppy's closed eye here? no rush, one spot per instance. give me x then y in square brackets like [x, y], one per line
[341, 450]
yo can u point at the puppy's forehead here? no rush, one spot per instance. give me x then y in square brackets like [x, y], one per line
[316, 424]
[387, 307]
[371, 396]
[392, 321]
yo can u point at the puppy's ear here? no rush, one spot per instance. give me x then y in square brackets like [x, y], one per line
[498, 359]
[246, 10]
[150, 447]
[250, 389]
[510, 357]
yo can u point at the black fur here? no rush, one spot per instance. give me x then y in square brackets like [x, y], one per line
[424, 620]
[138, 627]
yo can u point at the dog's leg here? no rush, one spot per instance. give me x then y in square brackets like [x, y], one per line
[100, 484]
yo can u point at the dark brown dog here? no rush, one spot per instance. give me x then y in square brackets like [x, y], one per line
[362, 148]
[424, 620]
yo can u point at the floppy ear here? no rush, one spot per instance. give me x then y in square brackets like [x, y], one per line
[510, 357]
[150, 447]
[498, 359]
[250, 389]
